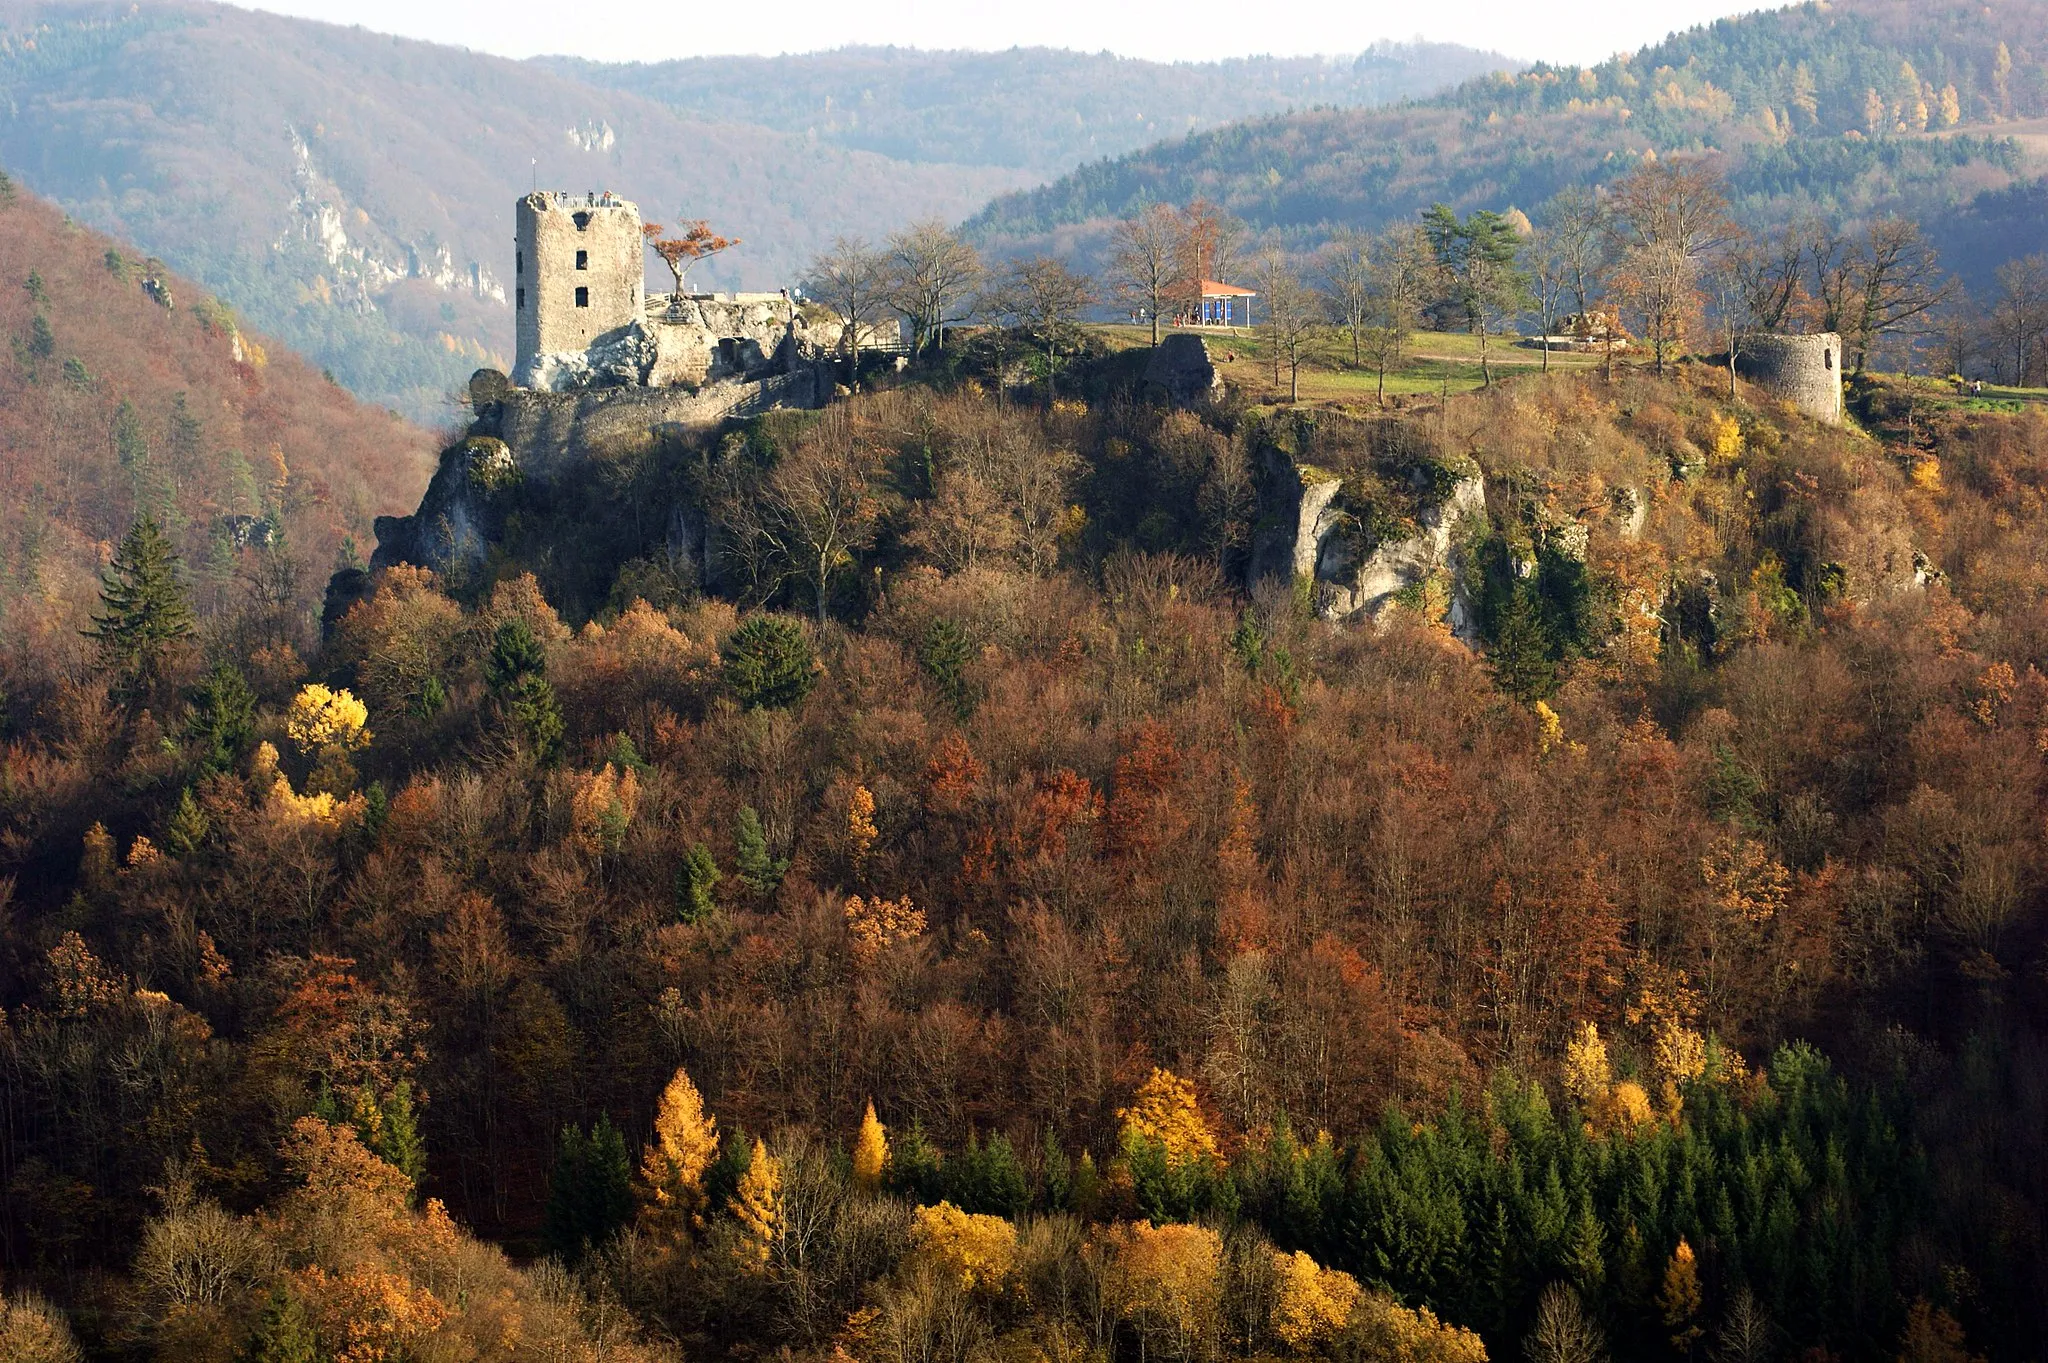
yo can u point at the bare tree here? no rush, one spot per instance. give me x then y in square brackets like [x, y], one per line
[1667, 216]
[1563, 1333]
[1208, 248]
[1550, 283]
[808, 516]
[1401, 268]
[1047, 297]
[854, 280]
[1346, 281]
[1145, 261]
[1293, 315]
[1767, 275]
[1576, 224]
[1746, 1334]
[2020, 317]
[933, 275]
[1896, 280]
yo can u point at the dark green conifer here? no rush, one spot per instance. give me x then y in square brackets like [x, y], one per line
[1520, 654]
[144, 614]
[516, 673]
[222, 719]
[283, 1334]
[768, 663]
[758, 871]
[694, 883]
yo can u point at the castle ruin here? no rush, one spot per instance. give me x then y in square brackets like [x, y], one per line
[585, 320]
[1804, 371]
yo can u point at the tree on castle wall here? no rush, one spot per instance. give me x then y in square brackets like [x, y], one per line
[697, 243]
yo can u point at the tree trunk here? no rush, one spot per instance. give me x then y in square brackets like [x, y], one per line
[1485, 367]
[1383, 383]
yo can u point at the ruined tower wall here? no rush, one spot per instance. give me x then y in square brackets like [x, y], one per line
[1805, 371]
[579, 272]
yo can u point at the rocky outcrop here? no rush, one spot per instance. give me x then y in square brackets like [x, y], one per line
[688, 341]
[1363, 540]
[1181, 371]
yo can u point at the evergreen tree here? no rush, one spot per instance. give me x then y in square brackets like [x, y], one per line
[283, 1334]
[694, 883]
[768, 663]
[590, 1196]
[398, 1140]
[144, 613]
[1520, 654]
[222, 718]
[516, 673]
[944, 653]
[42, 341]
[758, 871]
[185, 832]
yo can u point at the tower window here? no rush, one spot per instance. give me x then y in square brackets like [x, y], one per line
[583, 260]
[582, 221]
[522, 295]
[582, 297]
[1827, 359]
[519, 262]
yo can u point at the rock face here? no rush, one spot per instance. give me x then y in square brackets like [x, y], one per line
[687, 342]
[1364, 540]
[1182, 372]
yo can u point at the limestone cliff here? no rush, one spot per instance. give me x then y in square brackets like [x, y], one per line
[1364, 516]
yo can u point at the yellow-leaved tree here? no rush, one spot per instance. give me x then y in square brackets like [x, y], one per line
[757, 1206]
[1311, 1304]
[973, 1250]
[1383, 1329]
[1166, 1282]
[870, 1152]
[673, 1165]
[1680, 1299]
[1165, 1111]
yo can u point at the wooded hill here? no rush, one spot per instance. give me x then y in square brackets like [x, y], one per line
[1041, 110]
[127, 389]
[1850, 109]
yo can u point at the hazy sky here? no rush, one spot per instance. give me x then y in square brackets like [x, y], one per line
[1570, 31]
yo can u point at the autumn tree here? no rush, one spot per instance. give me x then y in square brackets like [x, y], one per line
[757, 1207]
[698, 243]
[1209, 240]
[145, 615]
[818, 506]
[1871, 285]
[673, 1164]
[934, 274]
[1146, 259]
[1047, 298]
[1311, 1304]
[870, 1151]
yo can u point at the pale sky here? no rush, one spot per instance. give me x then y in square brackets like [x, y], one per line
[1163, 30]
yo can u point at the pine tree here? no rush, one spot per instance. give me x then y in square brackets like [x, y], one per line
[144, 613]
[222, 719]
[185, 832]
[516, 673]
[870, 1152]
[283, 1334]
[590, 1196]
[758, 871]
[915, 1168]
[944, 653]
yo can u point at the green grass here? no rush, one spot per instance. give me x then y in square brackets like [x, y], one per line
[1438, 361]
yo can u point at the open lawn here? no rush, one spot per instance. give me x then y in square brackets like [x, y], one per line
[1437, 361]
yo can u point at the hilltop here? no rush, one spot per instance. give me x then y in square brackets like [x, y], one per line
[125, 388]
[352, 192]
[1852, 108]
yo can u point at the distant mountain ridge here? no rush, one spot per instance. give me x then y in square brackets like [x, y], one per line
[1042, 110]
[352, 192]
[1857, 107]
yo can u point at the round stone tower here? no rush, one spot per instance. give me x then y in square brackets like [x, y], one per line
[1805, 371]
[577, 275]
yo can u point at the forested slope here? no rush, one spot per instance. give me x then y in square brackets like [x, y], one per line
[126, 390]
[1850, 109]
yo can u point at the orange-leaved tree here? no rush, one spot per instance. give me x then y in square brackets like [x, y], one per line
[697, 243]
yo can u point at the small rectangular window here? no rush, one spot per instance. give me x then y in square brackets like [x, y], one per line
[522, 296]
[583, 260]
[519, 263]
[582, 297]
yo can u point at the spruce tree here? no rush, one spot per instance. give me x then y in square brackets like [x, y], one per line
[694, 883]
[944, 653]
[516, 672]
[144, 613]
[398, 1135]
[222, 719]
[758, 871]
[768, 663]
[283, 1334]
[1520, 655]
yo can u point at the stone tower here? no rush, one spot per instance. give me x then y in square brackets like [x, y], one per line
[1805, 371]
[578, 275]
